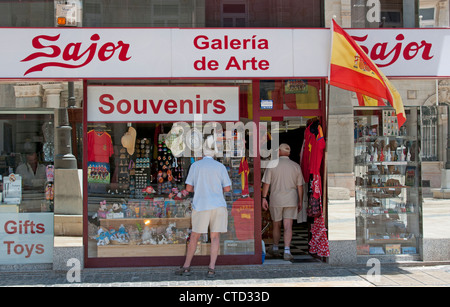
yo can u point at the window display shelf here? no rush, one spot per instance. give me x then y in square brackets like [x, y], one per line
[137, 203]
[183, 222]
[385, 163]
[150, 250]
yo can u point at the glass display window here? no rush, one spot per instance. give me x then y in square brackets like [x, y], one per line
[26, 161]
[290, 94]
[137, 204]
[388, 186]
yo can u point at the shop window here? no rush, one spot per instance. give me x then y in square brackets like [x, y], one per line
[294, 94]
[429, 133]
[137, 202]
[387, 185]
[26, 161]
[383, 13]
[143, 13]
[234, 14]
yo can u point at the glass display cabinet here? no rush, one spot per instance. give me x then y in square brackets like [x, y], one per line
[387, 183]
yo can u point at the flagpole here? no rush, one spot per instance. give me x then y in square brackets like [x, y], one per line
[325, 166]
[327, 118]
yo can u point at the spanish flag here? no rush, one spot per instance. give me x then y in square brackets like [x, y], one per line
[352, 69]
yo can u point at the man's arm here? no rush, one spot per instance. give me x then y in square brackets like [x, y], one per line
[189, 188]
[227, 189]
[265, 191]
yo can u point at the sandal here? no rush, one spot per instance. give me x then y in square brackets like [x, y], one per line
[183, 271]
[211, 273]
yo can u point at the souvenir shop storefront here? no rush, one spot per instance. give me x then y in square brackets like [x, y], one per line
[138, 211]
[147, 109]
[143, 135]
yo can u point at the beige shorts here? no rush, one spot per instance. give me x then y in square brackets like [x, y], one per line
[280, 213]
[216, 219]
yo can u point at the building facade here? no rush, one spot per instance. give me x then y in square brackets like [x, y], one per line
[95, 95]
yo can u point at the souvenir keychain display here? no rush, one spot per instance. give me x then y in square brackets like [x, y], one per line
[169, 170]
[142, 167]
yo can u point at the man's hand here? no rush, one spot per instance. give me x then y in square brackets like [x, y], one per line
[300, 205]
[265, 204]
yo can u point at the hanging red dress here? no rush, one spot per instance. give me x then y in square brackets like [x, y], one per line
[319, 240]
[311, 160]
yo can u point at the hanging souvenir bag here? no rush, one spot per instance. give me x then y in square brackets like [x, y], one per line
[314, 208]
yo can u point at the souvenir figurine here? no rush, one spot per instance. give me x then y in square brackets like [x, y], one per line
[133, 234]
[147, 237]
[103, 206]
[179, 196]
[149, 190]
[102, 237]
[122, 235]
[116, 208]
[112, 234]
[102, 210]
[125, 210]
[50, 172]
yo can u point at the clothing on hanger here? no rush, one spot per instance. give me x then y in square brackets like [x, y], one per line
[100, 146]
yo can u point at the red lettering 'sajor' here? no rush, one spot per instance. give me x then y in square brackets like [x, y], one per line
[381, 52]
[74, 52]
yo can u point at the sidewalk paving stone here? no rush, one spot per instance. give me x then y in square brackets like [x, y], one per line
[286, 275]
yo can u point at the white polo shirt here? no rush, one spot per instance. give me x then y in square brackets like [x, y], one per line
[208, 177]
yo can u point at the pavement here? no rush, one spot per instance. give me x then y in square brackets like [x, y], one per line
[276, 273]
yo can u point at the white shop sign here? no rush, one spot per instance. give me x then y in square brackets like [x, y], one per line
[225, 53]
[26, 238]
[162, 103]
[211, 53]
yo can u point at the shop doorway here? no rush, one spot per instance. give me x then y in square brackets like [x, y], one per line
[291, 104]
[290, 131]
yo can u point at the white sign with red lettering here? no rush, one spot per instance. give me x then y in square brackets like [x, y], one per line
[162, 103]
[407, 52]
[26, 238]
[225, 53]
[85, 53]
[211, 53]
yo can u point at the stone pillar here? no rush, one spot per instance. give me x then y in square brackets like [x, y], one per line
[52, 95]
[341, 182]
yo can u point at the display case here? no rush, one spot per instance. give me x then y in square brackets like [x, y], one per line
[387, 186]
[137, 203]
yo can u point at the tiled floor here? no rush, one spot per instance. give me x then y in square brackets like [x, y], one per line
[299, 245]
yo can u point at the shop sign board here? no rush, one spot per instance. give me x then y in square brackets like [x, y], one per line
[85, 53]
[162, 103]
[26, 238]
[235, 53]
[211, 53]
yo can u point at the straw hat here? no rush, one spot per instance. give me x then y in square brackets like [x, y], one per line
[129, 139]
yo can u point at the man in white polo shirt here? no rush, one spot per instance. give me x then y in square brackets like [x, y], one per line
[208, 179]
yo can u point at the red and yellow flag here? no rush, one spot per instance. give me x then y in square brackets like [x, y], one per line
[352, 69]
